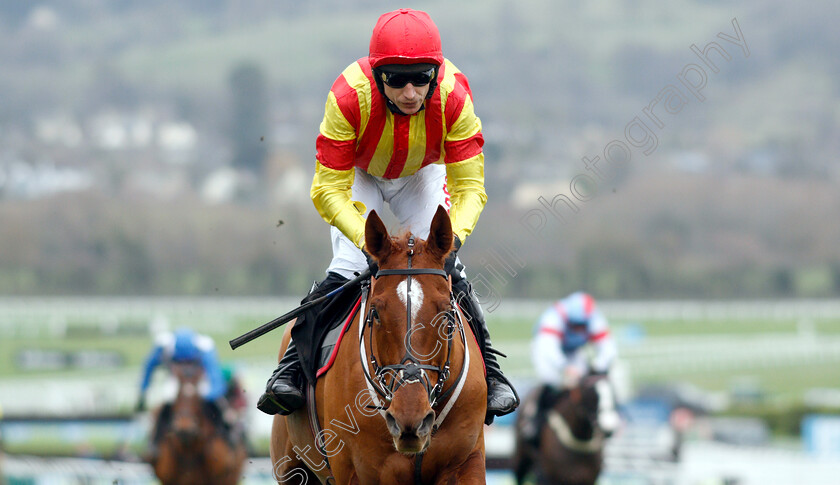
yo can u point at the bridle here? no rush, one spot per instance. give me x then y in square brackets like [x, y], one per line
[557, 423]
[577, 396]
[384, 380]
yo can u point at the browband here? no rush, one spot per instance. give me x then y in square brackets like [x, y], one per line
[410, 271]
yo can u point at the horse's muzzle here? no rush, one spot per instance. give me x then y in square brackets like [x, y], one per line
[410, 438]
[187, 436]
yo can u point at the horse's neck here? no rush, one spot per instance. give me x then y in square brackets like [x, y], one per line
[570, 410]
[459, 353]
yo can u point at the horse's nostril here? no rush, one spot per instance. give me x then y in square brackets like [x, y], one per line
[391, 422]
[426, 426]
[186, 435]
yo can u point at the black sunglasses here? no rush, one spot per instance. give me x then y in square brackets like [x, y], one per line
[398, 80]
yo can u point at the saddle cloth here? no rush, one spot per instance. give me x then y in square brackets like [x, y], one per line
[332, 340]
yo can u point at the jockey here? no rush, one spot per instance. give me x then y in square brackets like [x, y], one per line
[185, 346]
[558, 350]
[399, 127]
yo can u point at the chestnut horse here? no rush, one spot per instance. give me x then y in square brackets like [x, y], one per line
[192, 450]
[571, 440]
[405, 403]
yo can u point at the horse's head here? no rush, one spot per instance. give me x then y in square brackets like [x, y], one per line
[411, 323]
[186, 411]
[596, 403]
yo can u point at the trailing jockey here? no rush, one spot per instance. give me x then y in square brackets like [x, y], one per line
[185, 346]
[563, 333]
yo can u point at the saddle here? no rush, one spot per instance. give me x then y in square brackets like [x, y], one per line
[312, 329]
[332, 340]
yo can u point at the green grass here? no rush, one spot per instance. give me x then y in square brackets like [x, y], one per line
[135, 347]
[518, 329]
[788, 382]
[737, 327]
[777, 388]
[105, 448]
[49, 446]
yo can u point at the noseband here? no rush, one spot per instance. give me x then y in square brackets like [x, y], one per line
[387, 379]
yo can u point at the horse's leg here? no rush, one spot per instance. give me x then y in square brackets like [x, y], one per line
[472, 471]
[224, 462]
[166, 466]
[241, 454]
[287, 467]
[522, 463]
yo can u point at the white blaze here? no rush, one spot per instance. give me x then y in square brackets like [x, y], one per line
[608, 417]
[416, 296]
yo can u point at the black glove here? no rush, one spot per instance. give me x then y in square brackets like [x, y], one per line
[141, 405]
[449, 262]
[372, 265]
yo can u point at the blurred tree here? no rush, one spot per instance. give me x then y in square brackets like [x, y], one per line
[835, 278]
[124, 264]
[111, 88]
[782, 281]
[249, 122]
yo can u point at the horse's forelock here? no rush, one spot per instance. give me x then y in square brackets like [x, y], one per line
[400, 241]
[399, 246]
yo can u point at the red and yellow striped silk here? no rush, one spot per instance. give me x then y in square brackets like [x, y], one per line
[359, 132]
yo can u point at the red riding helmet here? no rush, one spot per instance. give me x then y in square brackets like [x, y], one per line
[405, 36]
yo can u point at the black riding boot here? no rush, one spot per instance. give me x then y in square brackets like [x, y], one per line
[545, 400]
[502, 398]
[283, 393]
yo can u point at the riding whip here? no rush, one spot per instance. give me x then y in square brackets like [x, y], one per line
[283, 319]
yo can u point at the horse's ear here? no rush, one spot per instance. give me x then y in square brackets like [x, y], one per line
[440, 234]
[377, 240]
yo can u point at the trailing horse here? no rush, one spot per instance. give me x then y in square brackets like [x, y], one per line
[405, 399]
[193, 450]
[568, 446]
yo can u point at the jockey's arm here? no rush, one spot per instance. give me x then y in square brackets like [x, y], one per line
[605, 354]
[152, 361]
[546, 352]
[331, 193]
[331, 189]
[465, 170]
[604, 344]
[212, 368]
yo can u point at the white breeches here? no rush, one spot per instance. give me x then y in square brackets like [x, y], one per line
[413, 200]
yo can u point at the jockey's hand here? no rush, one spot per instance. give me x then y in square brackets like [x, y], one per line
[571, 376]
[141, 405]
[449, 262]
[372, 265]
